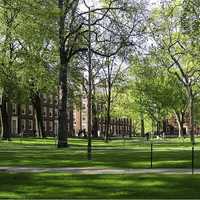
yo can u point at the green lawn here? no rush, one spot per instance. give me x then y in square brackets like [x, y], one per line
[133, 153]
[67, 186]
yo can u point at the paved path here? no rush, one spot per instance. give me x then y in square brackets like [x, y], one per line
[95, 170]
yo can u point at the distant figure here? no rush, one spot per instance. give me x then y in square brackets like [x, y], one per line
[98, 133]
[147, 135]
[79, 132]
[84, 133]
[184, 133]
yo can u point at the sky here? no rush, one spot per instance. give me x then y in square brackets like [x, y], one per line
[95, 3]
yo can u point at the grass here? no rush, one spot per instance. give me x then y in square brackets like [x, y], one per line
[133, 153]
[67, 186]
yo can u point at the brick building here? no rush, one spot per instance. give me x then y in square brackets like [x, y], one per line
[23, 119]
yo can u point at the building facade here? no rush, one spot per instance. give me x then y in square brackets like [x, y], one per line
[24, 121]
[23, 117]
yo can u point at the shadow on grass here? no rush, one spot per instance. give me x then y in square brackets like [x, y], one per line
[39, 153]
[78, 158]
[62, 186]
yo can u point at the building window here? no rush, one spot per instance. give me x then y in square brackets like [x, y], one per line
[50, 126]
[14, 108]
[84, 107]
[23, 124]
[30, 125]
[30, 110]
[14, 126]
[45, 125]
[23, 109]
[84, 112]
[56, 112]
[45, 111]
[51, 99]
[50, 112]
[56, 100]
[44, 98]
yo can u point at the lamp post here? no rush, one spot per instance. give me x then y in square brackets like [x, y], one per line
[89, 4]
[1, 124]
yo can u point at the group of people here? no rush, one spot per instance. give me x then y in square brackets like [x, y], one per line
[158, 136]
[82, 132]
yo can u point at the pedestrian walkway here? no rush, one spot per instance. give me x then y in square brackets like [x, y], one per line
[95, 170]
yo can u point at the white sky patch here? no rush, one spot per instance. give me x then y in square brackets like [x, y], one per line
[90, 3]
[154, 2]
[97, 4]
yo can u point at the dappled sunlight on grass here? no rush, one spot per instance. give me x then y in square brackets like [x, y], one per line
[62, 186]
[134, 154]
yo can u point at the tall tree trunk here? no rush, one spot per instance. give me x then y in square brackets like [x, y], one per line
[94, 120]
[180, 131]
[71, 121]
[109, 84]
[158, 127]
[191, 113]
[142, 125]
[6, 119]
[108, 111]
[94, 114]
[62, 118]
[180, 121]
[89, 89]
[164, 126]
[1, 122]
[36, 101]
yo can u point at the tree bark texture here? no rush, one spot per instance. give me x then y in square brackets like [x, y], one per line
[62, 118]
[6, 118]
[36, 101]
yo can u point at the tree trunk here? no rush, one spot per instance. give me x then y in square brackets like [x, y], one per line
[158, 127]
[191, 113]
[108, 111]
[164, 126]
[180, 121]
[130, 128]
[36, 101]
[142, 125]
[107, 133]
[94, 113]
[180, 130]
[94, 121]
[6, 119]
[62, 118]
[89, 90]
[71, 121]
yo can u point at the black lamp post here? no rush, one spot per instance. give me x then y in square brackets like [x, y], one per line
[1, 94]
[88, 5]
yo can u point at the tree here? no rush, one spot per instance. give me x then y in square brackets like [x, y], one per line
[156, 92]
[110, 74]
[73, 35]
[37, 45]
[173, 49]
[8, 54]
